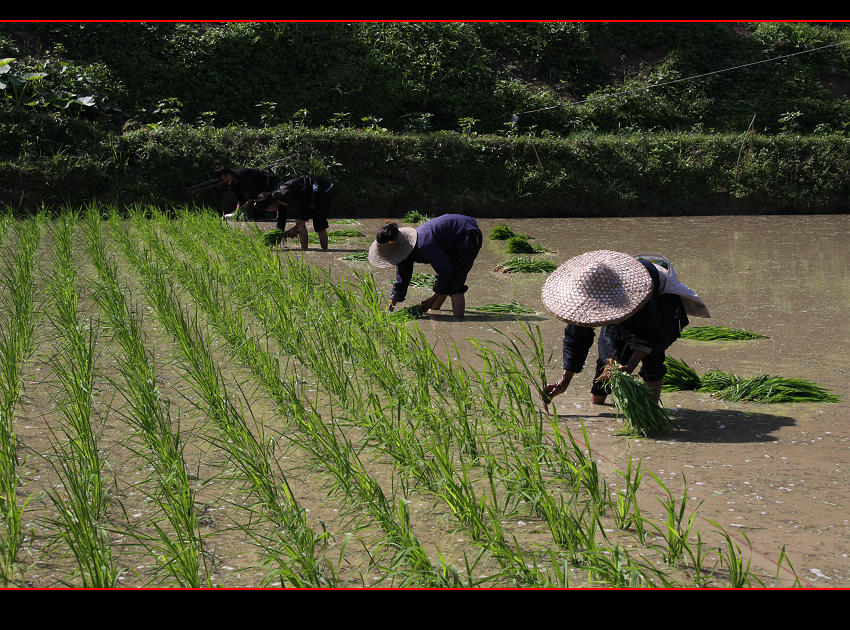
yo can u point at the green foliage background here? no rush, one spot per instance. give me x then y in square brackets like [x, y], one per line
[486, 118]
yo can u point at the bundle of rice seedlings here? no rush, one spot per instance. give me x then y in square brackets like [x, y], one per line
[712, 333]
[358, 256]
[423, 280]
[239, 214]
[334, 236]
[511, 307]
[521, 245]
[680, 376]
[414, 216]
[642, 413]
[344, 221]
[732, 388]
[416, 311]
[775, 389]
[272, 238]
[503, 232]
[522, 264]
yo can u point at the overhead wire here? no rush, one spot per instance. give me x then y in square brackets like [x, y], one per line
[690, 78]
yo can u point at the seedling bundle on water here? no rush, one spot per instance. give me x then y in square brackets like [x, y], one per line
[522, 264]
[718, 333]
[642, 413]
[503, 232]
[726, 386]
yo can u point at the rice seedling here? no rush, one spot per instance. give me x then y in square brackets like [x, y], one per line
[414, 216]
[273, 238]
[523, 264]
[335, 236]
[521, 245]
[761, 388]
[678, 528]
[509, 307]
[360, 256]
[641, 412]
[408, 313]
[503, 232]
[712, 333]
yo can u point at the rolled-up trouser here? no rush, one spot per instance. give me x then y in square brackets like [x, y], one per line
[463, 259]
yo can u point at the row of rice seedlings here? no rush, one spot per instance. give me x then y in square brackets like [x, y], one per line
[761, 388]
[301, 560]
[339, 457]
[716, 333]
[642, 414]
[16, 343]
[358, 256]
[179, 549]
[82, 506]
[446, 479]
[524, 264]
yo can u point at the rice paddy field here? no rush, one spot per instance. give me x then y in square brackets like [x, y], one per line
[182, 405]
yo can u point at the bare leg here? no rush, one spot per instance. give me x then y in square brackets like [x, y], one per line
[323, 239]
[655, 388]
[597, 399]
[301, 227]
[458, 305]
[438, 302]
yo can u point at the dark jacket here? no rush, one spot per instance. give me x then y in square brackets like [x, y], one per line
[449, 244]
[251, 182]
[656, 325]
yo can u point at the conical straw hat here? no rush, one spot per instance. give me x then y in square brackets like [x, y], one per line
[597, 288]
[389, 254]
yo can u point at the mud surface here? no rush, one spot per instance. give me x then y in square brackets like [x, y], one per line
[773, 474]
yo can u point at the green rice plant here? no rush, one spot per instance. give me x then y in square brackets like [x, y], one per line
[732, 560]
[679, 376]
[712, 333]
[761, 388]
[521, 245]
[775, 389]
[360, 256]
[408, 313]
[335, 236]
[503, 232]
[414, 216]
[524, 264]
[624, 507]
[678, 527]
[273, 238]
[642, 414]
[510, 307]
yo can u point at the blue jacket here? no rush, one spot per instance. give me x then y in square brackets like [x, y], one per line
[437, 241]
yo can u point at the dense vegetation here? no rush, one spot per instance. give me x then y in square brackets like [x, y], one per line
[507, 118]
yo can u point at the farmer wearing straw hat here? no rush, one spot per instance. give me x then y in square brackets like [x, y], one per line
[639, 303]
[449, 243]
[309, 197]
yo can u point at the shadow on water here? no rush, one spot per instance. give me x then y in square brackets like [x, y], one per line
[713, 426]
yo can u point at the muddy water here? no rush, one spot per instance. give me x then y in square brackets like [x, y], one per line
[773, 474]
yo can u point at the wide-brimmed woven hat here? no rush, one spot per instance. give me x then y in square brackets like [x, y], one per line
[389, 254]
[597, 288]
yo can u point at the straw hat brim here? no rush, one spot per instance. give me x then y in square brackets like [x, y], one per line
[389, 254]
[597, 288]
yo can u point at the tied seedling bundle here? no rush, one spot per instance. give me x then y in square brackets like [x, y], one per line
[504, 232]
[273, 238]
[731, 388]
[521, 245]
[521, 264]
[408, 313]
[642, 413]
[718, 333]
[421, 280]
[509, 307]
[357, 256]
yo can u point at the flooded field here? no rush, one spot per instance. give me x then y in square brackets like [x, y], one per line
[183, 407]
[777, 474]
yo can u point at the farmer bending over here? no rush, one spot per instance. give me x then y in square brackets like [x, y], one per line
[449, 243]
[637, 301]
[309, 198]
[246, 184]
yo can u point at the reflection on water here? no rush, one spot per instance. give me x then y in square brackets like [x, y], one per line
[781, 276]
